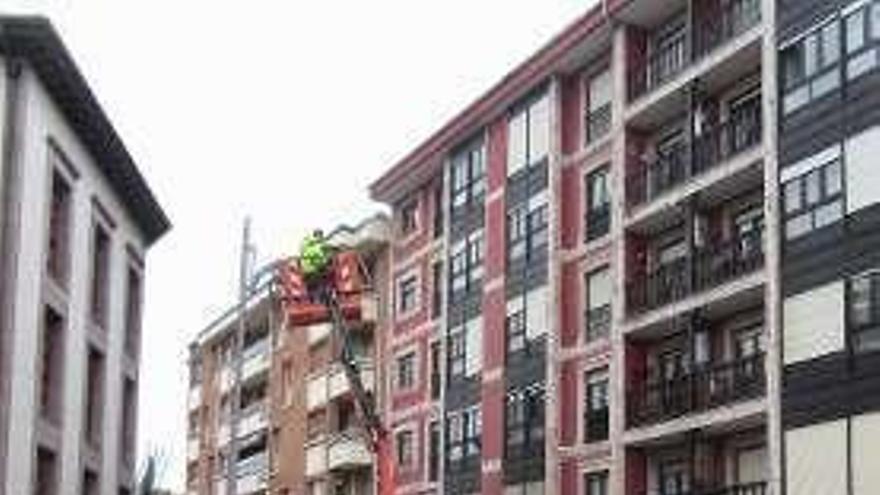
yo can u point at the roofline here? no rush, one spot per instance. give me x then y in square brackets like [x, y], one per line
[518, 81]
[34, 39]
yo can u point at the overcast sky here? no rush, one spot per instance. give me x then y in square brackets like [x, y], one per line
[282, 110]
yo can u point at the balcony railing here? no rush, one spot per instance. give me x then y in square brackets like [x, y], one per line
[752, 488]
[680, 162]
[597, 123]
[598, 323]
[596, 425]
[706, 387]
[710, 267]
[711, 30]
[597, 222]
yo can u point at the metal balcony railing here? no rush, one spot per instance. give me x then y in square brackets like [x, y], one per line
[677, 51]
[597, 123]
[678, 163]
[752, 488]
[710, 267]
[706, 387]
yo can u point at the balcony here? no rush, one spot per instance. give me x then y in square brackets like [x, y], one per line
[252, 473]
[255, 358]
[677, 49]
[347, 451]
[252, 420]
[710, 267]
[316, 459]
[706, 387]
[680, 162]
[332, 383]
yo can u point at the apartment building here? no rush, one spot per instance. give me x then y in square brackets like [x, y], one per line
[643, 262]
[76, 221]
[276, 415]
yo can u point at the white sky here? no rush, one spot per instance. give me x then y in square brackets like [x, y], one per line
[284, 110]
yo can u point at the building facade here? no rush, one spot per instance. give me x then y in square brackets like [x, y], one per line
[644, 262]
[76, 221]
[293, 427]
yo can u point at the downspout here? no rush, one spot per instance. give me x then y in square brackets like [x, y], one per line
[10, 220]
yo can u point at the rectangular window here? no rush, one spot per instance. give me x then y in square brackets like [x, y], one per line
[94, 413]
[406, 371]
[438, 210]
[809, 67]
[598, 304]
[464, 433]
[813, 199]
[434, 450]
[128, 422]
[456, 349]
[436, 289]
[527, 231]
[407, 294]
[405, 441]
[466, 266]
[468, 176]
[515, 325]
[528, 135]
[465, 348]
[133, 298]
[59, 229]
[409, 216]
[516, 234]
[454, 437]
[100, 274]
[46, 476]
[90, 483]
[598, 215]
[524, 421]
[863, 301]
[596, 407]
[52, 367]
[436, 356]
[537, 230]
[596, 483]
[598, 111]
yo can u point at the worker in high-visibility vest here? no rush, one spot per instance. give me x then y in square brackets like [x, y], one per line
[314, 259]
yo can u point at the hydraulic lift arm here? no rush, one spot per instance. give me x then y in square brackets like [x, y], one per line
[293, 293]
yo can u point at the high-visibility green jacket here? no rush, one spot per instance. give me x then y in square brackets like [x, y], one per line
[314, 255]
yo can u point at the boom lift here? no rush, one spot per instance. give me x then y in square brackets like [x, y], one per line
[336, 297]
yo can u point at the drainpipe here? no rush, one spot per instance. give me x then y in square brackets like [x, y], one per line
[10, 223]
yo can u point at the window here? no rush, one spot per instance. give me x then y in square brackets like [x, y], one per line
[406, 371]
[128, 422]
[468, 176]
[133, 300]
[596, 483]
[596, 407]
[407, 294]
[436, 289]
[862, 27]
[90, 483]
[46, 476]
[525, 488]
[438, 210]
[813, 199]
[466, 265]
[524, 421]
[863, 301]
[465, 348]
[528, 135]
[464, 432]
[674, 477]
[527, 232]
[526, 319]
[52, 367]
[100, 274]
[598, 217]
[59, 229]
[409, 216]
[94, 413]
[515, 325]
[434, 450]
[810, 66]
[598, 304]
[436, 356]
[598, 111]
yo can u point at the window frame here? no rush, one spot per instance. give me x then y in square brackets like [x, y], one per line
[807, 208]
[408, 216]
[598, 317]
[526, 110]
[871, 326]
[406, 370]
[470, 161]
[404, 451]
[596, 381]
[597, 214]
[405, 282]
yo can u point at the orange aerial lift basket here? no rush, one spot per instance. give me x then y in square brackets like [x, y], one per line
[303, 308]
